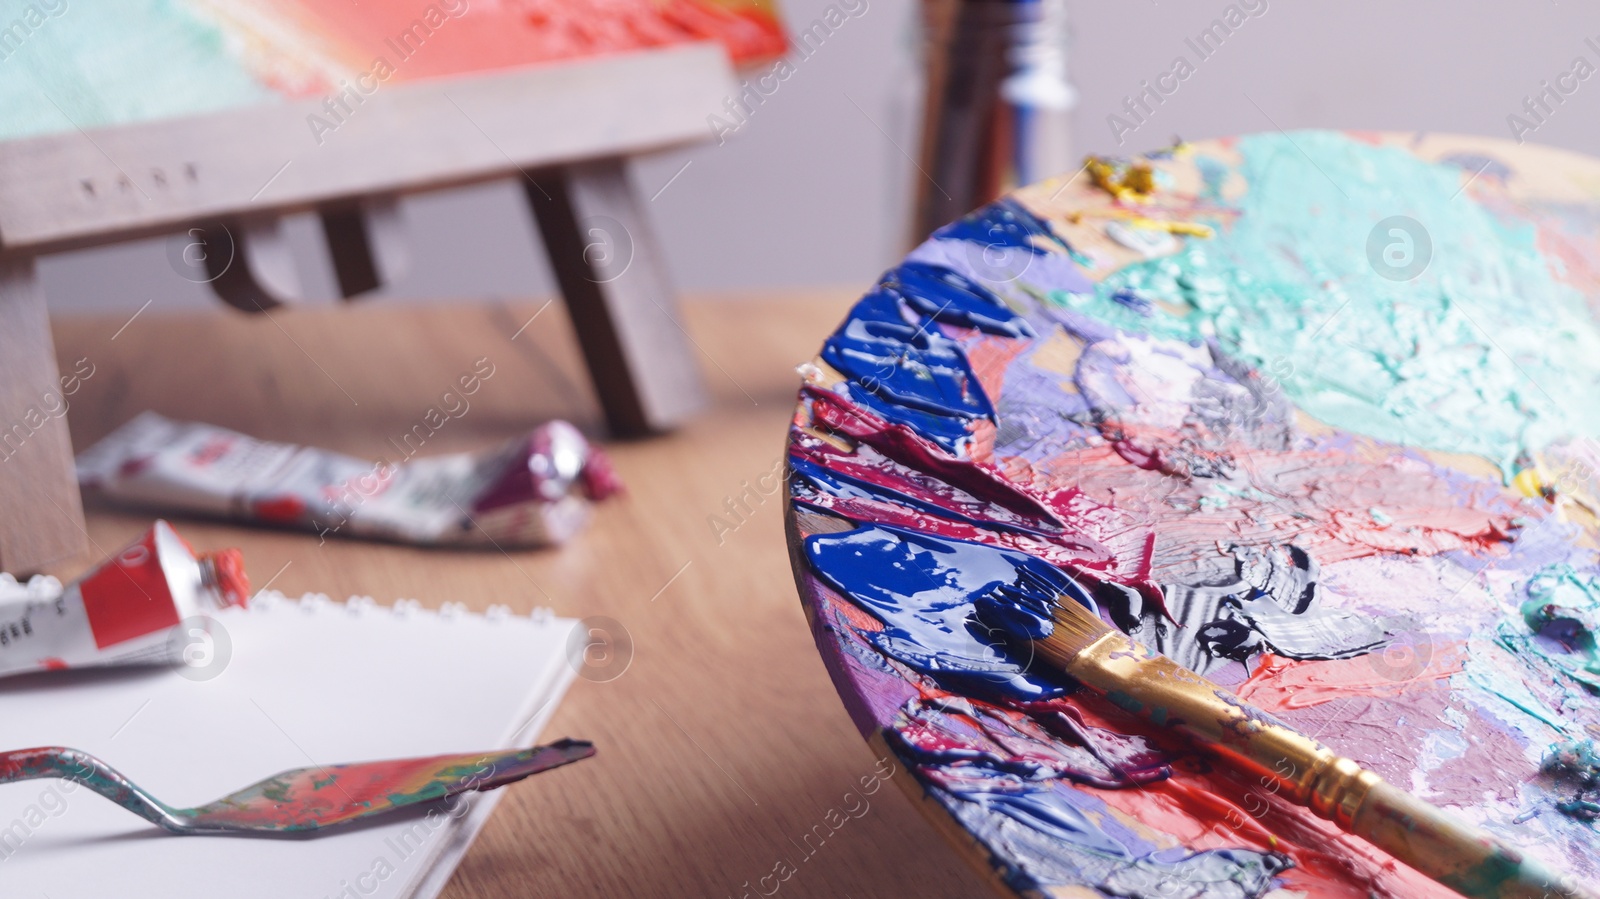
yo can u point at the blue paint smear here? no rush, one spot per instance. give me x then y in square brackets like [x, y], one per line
[1133, 301]
[927, 590]
[952, 298]
[1220, 873]
[908, 367]
[883, 306]
[949, 432]
[1000, 243]
[1048, 812]
[909, 374]
[1041, 838]
[1004, 223]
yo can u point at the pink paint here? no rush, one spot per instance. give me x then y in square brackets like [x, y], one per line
[1278, 684]
[901, 444]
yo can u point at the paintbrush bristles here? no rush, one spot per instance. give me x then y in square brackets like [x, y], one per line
[1076, 629]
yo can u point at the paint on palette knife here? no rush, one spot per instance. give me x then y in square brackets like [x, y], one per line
[1252, 453]
[304, 800]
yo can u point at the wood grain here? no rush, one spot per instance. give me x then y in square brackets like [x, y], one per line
[724, 744]
[40, 517]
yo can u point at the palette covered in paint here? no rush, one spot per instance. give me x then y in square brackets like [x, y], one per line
[1313, 414]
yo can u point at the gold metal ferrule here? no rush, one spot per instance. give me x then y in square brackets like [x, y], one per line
[1149, 685]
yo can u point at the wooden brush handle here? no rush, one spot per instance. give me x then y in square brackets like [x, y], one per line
[1464, 858]
[1469, 860]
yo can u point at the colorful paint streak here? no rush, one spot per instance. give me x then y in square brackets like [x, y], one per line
[1316, 512]
[305, 799]
[1478, 353]
[141, 60]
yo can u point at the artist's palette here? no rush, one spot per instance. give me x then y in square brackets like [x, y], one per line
[1314, 414]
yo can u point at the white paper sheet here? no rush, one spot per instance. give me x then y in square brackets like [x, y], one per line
[308, 682]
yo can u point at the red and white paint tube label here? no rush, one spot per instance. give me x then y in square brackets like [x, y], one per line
[124, 611]
[533, 490]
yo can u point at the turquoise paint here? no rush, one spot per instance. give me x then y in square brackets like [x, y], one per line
[1554, 637]
[92, 63]
[1289, 287]
[1564, 606]
[1483, 669]
[1124, 701]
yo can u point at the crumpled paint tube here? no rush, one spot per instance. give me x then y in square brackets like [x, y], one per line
[136, 608]
[532, 491]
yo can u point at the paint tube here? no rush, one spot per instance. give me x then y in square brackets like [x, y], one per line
[136, 608]
[531, 491]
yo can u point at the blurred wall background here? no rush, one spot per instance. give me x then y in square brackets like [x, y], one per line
[815, 188]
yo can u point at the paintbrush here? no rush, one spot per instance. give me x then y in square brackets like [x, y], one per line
[303, 800]
[1073, 639]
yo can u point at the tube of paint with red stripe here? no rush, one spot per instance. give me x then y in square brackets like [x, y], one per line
[134, 608]
[533, 490]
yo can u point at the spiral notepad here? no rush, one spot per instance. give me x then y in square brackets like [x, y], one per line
[304, 682]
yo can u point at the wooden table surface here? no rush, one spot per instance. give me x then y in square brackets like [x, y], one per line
[722, 746]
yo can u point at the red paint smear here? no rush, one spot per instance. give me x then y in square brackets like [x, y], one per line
[872, 695]
[993, 732]
[856, 617]
[341, 793]
[508, 35]
[1278, 683]
[1318, 499]
[1370, 138]
[312, 798]
[1580, 258]
[983, 434]
[990, 356]
[1070, 547]
[1205, 807]
[1386, 708]
[1097, 543]
[903, 445]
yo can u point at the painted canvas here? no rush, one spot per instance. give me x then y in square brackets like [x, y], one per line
[1313, 414]
[68, 64]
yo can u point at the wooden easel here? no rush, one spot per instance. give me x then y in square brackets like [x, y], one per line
[567, 128]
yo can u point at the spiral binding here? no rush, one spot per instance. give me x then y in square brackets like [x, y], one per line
[43, 588]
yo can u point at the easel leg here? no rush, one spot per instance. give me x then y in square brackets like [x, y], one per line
[41, 514]
[367, 242]
[606, 260]
[249, 263]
